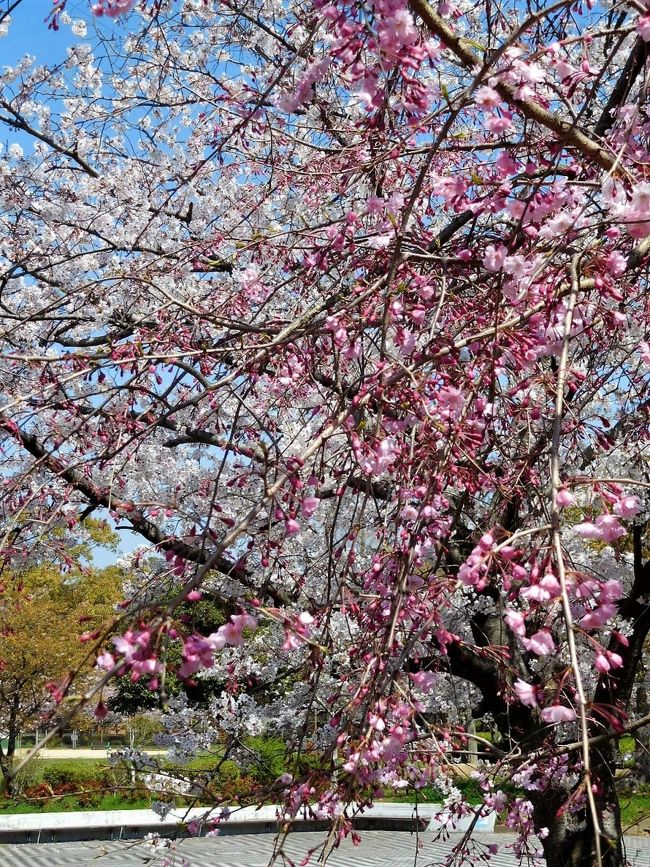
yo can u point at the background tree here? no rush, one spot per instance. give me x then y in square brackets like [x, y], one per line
[344, 310]
[43, 614]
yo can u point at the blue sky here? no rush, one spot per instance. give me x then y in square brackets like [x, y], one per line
[28, 33]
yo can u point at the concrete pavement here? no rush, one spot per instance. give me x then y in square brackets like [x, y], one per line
[377, 849]
[135, 824]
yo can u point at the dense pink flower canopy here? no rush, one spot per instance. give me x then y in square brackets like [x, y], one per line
[342, 308]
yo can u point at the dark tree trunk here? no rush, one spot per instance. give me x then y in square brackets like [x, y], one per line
[641, 771]
[5, 768]
[12, 729]
[571, 843]
[7, 757]
[571, 838]
[574, 847]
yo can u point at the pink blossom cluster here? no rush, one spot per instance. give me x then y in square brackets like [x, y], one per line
[134, 652]
[198, 651]
[394, 42]
[390, 731]
[474, 572]
[528, 695]
[304, 91]
[377, 460]
[607, 526]
[112, 8]
[297, 630]
[631, 208]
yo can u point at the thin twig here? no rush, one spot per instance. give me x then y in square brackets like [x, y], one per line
[556, 542]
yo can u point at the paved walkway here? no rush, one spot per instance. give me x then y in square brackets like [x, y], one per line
[377, 849]
[136, 824]
[82, 753]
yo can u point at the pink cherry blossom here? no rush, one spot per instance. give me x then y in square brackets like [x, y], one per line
[487, 98]
[565, 498]
[516, 622]
[197, 654]
[643, 27]
[547, 588]
[397, 30]
[296, 630]
[499, 123]
[409, 513]
[610, 527]
[526, 692]
[627, 507]
[601, 663]
[588, 530]
[231, 633]
[598, 616]
[291, 527]
[126, 647]
[113, 8]
[615, 659]
[616, 263]
[611, 590]
[541, 643]
[105, 660]
[494, 257]
[558, 713]
[423, 680]
[451, 402]
[606, 527]
[101, 711]
[309, 506]
[375, 205]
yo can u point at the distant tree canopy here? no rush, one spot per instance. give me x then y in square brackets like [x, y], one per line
[46, 609]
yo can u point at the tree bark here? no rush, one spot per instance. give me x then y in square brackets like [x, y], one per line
[7, 758]
[573, 846]
[571, 838]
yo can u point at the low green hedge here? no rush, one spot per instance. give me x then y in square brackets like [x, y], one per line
[56, 772]
[265, 759]
[76, 772]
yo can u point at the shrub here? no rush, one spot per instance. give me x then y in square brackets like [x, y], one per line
[308, 761]
[29, 775]
[206, 766]
[202, 763]
[269, 758]
[77, 771]
[229, 771]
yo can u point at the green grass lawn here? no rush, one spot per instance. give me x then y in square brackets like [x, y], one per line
[634, 808]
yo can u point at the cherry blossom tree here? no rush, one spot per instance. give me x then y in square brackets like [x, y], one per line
[342, 307]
